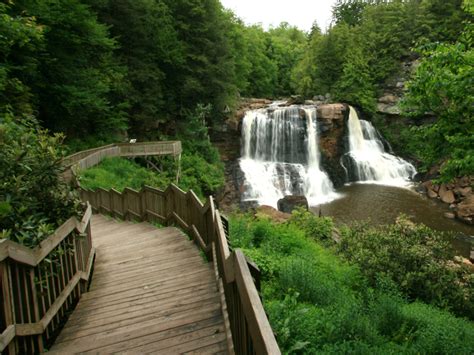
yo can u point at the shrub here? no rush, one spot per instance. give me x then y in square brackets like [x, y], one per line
[318, 228]
[34, 200]
[418, 260]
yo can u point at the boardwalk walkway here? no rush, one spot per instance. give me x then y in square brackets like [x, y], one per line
[151, 292]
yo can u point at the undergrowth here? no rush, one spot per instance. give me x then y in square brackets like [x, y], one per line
[319, 303]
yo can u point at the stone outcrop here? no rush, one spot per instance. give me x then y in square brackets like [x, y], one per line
[245, 104]
[288, 203]
[331, 123]
[465, 209]
[458, 194]
[388, 104]
[272, 213]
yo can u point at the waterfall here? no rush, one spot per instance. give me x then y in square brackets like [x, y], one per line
[370, 162]
[281, 157]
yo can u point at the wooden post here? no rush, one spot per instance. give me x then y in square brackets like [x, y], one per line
[8, 307]
[178, 173]
[36, 307]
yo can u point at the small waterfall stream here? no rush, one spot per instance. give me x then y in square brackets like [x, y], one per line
[281, 156]
[369, 161]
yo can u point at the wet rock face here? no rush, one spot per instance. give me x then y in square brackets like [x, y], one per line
[331, 125]
[289, 203]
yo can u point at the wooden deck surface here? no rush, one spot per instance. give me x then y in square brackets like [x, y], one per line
[151, 292]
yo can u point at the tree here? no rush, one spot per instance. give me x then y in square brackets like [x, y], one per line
[150, 50]
[20, 39]
[77, 73]
[355, 85]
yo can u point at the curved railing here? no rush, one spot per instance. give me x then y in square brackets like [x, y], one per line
[247, 322]
[91, 157]
[40, 286]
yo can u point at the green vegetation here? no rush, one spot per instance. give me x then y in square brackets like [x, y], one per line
[119, 173]
[319, 303]
[365, 51]
[418, 260]
[33, 199]
[99, 70]
[443, 85]
[199, 168]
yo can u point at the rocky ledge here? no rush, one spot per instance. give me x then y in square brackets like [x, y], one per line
[458, 194]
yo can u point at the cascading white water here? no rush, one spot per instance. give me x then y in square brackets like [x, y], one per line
[281, 157]
[371, 162]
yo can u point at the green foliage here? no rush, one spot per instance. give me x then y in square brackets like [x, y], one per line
[20, 39]
[418, 260]
[318, 228]
[355, 85]
[150, 50]
[202, 169]
[318, 303]
[33, 199]
[77, 75]
[443, 85]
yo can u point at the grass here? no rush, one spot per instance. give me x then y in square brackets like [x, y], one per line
[119, 173]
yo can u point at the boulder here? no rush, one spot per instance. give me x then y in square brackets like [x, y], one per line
[288, 203]
[465, 210]
[272, 213]
[331, 112]
[431, 193]
[463, 191]
[295, 100]
[447, 196]
[449, 215]
[389, 99]
[465, 181]
[388, 109]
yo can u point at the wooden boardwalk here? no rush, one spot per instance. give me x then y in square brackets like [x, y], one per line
[151, 292]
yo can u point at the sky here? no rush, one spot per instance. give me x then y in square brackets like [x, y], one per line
[300, 13]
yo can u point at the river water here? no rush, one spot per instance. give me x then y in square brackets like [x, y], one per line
[383, 204]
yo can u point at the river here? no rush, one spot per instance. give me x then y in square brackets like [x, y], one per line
[382, 204]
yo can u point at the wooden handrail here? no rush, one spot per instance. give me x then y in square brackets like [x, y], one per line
[40, 285]
[247, 322]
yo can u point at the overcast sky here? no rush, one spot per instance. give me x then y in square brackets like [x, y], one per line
[300, 13]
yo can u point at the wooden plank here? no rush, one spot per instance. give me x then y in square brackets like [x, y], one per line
[150, 282]
[199, 241]
[186, 342]
[34, 256]
[158, 330]
[7, 336]
[130, 329]
[157, 269]
[161, 293]
[90, 320]
[218, 348]
[7, 304]
[176, 329]
[85, 275]
[38, 328]
[259, 327]
[137, 263]
[123, 307]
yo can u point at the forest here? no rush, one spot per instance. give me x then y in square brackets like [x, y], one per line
[77, 74]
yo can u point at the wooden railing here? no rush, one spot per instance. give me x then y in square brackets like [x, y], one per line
[89, 158]
[247, 322]
[40, 286]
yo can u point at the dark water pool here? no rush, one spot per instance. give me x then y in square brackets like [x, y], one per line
[382, 205]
